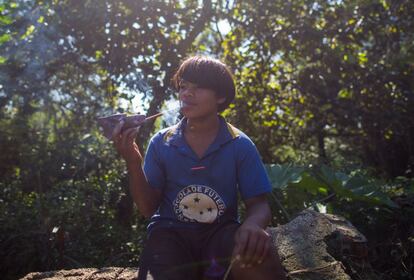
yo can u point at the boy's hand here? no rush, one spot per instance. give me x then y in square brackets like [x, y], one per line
[252, 244]
[124, 143]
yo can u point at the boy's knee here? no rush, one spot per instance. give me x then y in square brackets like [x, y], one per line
[271, 268]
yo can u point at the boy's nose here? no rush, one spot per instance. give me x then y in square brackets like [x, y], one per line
[187, 92]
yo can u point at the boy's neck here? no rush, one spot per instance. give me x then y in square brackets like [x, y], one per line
[203, 126]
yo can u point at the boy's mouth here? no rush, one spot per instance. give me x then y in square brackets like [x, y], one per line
[186, 104]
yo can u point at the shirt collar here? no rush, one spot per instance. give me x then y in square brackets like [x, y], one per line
[175, 134]
[227, 132]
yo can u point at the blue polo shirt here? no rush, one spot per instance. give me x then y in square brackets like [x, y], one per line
[198, 191]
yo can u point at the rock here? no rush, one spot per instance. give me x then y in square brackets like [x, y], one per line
[313, 246]
[115, 273]
[317, 246]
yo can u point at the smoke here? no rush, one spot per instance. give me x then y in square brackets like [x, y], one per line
[172, 112]
[31, 53]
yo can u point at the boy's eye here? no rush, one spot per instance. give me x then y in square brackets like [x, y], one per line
[186, 86]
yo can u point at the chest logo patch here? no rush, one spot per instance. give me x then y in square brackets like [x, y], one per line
[198, 203]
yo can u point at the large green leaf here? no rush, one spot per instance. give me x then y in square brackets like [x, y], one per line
[311, 184]
[281, 175]
[354, 187]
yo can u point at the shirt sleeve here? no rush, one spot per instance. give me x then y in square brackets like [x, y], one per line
[153, 167]
[251, 174]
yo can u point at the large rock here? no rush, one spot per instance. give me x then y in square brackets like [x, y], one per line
[317, 246]
[115, 273]
[313, 246]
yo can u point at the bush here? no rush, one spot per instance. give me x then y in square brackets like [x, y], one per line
[74, 224]
[383, 211]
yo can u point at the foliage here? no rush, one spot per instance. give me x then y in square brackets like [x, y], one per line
[327, 81]
[63, 64]
[382, 211]
[75, 224]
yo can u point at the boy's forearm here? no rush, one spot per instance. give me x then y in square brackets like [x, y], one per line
[258, 212]
[146, 198]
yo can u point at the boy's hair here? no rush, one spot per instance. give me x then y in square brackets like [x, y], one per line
[207, 73]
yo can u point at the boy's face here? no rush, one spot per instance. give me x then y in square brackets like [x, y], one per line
[196, 101]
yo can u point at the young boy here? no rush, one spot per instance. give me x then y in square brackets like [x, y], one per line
[189, 182]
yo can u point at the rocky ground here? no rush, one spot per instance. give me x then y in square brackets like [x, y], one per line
[313, 246]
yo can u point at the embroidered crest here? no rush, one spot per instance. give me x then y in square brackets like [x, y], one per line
[198, 203]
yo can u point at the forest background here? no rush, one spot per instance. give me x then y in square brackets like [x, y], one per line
[324, 88]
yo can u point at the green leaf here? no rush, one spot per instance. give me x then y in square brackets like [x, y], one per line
[281, 175]
[29, 31]
[5, 20]
[345, 94]
[356, 182]
[5, 38]
[98, 54]
[311, 184]
[362, 58]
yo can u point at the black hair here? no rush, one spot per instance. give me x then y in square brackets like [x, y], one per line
[207, 73]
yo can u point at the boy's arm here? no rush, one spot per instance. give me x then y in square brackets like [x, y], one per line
[252, 242]
[145, 197]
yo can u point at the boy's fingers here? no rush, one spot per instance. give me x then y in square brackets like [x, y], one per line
[236, 249]
[240, 244]
[117, 129]
[242, 252]
[115, 139]
[250, 250]
[131, 133]
[236, 252]
[126, 138]
[265, 251]
[258, 251]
